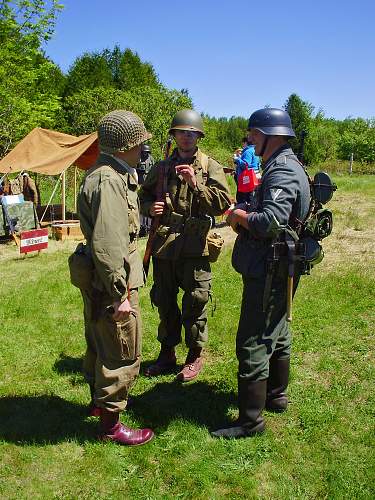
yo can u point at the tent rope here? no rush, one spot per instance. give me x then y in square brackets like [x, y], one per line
[51, 197]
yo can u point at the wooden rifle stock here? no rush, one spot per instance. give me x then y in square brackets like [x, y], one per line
[290, 283]
[160, 195]
[289, 299]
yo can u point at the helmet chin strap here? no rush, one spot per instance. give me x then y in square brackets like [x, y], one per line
[264, 145]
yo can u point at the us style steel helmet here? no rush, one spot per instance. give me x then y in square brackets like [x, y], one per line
[187, 119]
[121, 130]
[271, 121]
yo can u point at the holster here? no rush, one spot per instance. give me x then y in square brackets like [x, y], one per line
[278, 251]
[81, 267]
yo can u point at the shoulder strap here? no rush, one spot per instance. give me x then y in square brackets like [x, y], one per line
[204, 162]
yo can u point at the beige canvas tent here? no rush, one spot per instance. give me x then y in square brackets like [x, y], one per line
[51, 153]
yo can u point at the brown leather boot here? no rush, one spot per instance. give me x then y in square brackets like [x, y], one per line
[251, 401]
[166, 363]
[193, 365]
[113, 430]
[92, 409]
[277, 400]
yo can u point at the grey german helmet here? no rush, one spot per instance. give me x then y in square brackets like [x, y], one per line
[271, 121]
[121, 130]
[187, 119]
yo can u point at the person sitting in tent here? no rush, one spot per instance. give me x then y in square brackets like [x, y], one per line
[29, 189]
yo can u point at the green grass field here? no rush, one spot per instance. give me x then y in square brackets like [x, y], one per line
[323, 447]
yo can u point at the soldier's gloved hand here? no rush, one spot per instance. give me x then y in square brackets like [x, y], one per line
[188, 174]
[157, 208]
[122, 310]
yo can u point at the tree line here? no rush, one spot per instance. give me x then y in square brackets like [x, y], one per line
[35, 92]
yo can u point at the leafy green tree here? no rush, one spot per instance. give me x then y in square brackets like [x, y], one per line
[89, 71]
[133, 73]
[223, 137]
[122, 70]
[300, 113]
[322, 142]
[357, 136]
[155, 105]
[25, 103]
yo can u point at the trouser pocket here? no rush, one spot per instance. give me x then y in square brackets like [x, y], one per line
[128, 338]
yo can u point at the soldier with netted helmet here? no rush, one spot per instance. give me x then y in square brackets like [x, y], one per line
[109, 217]
[264, 253]
[195, 192]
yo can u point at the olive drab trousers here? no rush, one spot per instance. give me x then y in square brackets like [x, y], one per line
[193, 276]
[263, 334]
[112, 360]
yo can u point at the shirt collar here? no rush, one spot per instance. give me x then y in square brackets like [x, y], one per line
[130, 170]
[176, 156]
[280, 150]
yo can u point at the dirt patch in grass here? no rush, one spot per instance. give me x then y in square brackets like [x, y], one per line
[353, 236]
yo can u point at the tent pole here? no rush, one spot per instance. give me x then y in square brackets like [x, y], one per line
[50, 199]
[63, 195]
[75, 190]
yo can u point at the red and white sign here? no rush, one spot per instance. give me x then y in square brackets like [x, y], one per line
[32, 241]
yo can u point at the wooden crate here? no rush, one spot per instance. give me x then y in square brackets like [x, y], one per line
[68, 230]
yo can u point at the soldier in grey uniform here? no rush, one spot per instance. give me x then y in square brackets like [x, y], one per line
[263, 342]
[109, 217]
[196, 190]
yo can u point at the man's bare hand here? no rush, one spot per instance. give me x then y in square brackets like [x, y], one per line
[122, 310]
[188, 174]
[157, 208]
[237, 217]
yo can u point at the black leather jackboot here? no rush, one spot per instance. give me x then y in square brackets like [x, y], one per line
[278, 380]
[251, 402]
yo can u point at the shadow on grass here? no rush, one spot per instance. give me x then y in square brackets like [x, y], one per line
[68, 365]
[43, 420]
[196, 402]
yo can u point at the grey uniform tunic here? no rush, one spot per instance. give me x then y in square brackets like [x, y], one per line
[284, 196]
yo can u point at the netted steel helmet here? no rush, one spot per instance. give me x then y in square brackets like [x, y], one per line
[121, 130]
[187, 119]
[271, 121]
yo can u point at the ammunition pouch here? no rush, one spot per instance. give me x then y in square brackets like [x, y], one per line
[181, 236]
[215, 244]
[195, 233]
[173, 220]
[198, 226]
[309, 253]
[81, 267]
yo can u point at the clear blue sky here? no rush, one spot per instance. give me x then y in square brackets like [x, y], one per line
[237, 56]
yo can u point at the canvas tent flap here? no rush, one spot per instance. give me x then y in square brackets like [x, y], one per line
[50, 152]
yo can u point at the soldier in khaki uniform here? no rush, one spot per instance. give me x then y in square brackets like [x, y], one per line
[196, 190]
[109, 217]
